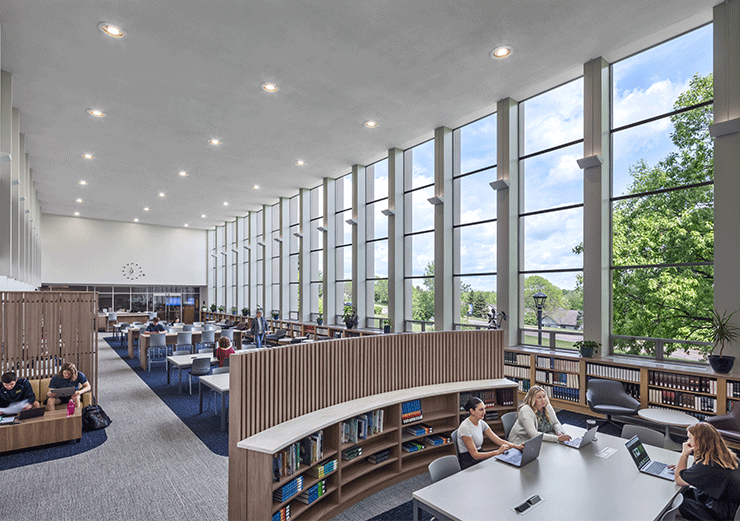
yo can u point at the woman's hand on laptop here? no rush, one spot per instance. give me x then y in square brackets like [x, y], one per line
[564, 437]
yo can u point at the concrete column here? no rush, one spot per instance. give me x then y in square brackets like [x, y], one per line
[228, 260]
[596, 204]
[22, 190]
[252, 252]
[304, 256]
[211, 262]
[330, 250]
[507, 217]
[443, 229]
[284, 257]
[15, 190]
[267, 303]
[359, 255]
[396, 294]
[726, 159]
[6, 206]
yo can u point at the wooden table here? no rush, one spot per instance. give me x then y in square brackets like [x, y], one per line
[181, 361]
[102, 320]
[52, 427]
[220, 384]
[171, 340]
[668, 417]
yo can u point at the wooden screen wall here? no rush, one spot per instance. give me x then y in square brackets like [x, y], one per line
[41, 330]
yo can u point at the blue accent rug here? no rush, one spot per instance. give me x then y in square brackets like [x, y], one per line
[30, 456]
[206, 426]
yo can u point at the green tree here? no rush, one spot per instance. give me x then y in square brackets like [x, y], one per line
[480, 306]
[422, 298]
[381, 291]
[555, 299]
[671, 227]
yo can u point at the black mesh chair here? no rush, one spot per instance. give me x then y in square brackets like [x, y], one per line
[608, 397]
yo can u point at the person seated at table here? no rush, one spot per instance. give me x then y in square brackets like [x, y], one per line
[155, 326]
[227, 324]
[16, 394]
[224, 350]
[68, 376]
[259, 329]
[470, 436]
[176, 321]
[535, 416]
[714, 478]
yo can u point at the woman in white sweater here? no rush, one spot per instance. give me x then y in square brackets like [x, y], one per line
[536, 415]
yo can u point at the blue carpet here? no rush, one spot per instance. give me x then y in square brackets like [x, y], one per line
[206, 426]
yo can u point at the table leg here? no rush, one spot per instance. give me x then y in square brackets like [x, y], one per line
[167, 366]
[179, 379]
[416, 510]
[223, 412]
[200, 396]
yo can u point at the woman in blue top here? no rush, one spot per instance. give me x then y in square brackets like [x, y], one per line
[69, 376]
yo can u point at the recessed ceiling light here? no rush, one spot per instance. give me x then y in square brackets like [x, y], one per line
[77, 213]
[256, 187]
[371, 124]
[96, 113]
[214, 141]
[79, 200]
[503, 51]
[226, 203]
[269, 87]
[182, 173]
[203, 216]
[136, 220]
[186, 225]
[300, 162]
[83, 183]
[146, 209]
[111, 30]
[161, 194]
[88, 156]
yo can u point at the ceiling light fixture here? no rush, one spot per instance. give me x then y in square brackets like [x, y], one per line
[186, 225]
[226, 203]
[88, 156]
[300, 162]
[182, 173]
[214, 142]
[269, 87]
[256, 187]
[161, 194]
[371, 124]
[83, 183]
[96, 113]
[504, 51]
[136, 220]
[111, 30]
[146, 209]
[77, 213]
[79, 200]
[203, 216]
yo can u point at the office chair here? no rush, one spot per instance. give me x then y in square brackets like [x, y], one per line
[112, 319]
[443, 467]
[508, 419]
[453, 437]
[272, 338]
[200, 367]
[608, 397]
[207, 339]
[187, 327]
[649, 436]
[122, 331]
[228, 333]
[670, 514]
[728, 425]
[184, 340]
[157, 346]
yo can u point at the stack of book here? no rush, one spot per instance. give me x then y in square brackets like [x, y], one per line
[436, 439]
[491, 416]
[282, 515]
[412, 446]
[351, 453]
[313, 493]
[319, 471]
[379, 457]
[288, 490]
[419, 430]
[313, 448]
[411, 411]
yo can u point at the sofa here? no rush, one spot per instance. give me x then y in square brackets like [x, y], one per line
[41, 387]
[728, 425]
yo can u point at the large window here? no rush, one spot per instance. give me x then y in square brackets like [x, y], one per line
[663, 199]
[294, 245]
[317, 252]
[551, 216]
[343, 252]
[260, 245]
[419, 236]
[376, 235]
[474, 223]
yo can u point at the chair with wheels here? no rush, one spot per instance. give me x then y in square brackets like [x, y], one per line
[157, 352]
[670, 514]
[443, 467]
[649, 436]
[207, 339]
[200, 367]
[508, 419]
[609, 398]
[184, 340]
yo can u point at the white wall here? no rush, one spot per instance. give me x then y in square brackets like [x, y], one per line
[89, 251]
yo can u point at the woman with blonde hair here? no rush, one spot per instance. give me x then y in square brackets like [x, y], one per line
[714, 477]
[536, 415]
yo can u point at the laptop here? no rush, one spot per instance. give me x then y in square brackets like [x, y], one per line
[31, 413]
[520, 458]
[644, 463]
[63, 392]
[579, 442]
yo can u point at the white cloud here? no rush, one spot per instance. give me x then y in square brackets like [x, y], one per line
[637, 104]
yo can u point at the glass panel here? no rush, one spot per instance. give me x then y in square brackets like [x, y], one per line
[420, 255]
[377, 259]
[422, 300]
[317, 266]
[377, 181]
[294, 242]
[344, 296]
[379, 288]
[478, 144]
[343, 187]
[422, 165]
[562, 312]
[105, 301]
[317, 237]
[138, 303]
[344, 230]
[477, 201]
[648, 84]
[553, 179]
[376, 223]
[295, 209]
[317, 299]
[294, 293]
[317, 202]
[553, 118]
[550, 238]
[477, 246]
[419, 211]
[122, 302]
[294, 261]
[477, 298]
[344, 263]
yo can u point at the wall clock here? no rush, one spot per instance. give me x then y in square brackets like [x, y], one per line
[132, 271]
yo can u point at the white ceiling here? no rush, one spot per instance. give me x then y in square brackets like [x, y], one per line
[189, 71]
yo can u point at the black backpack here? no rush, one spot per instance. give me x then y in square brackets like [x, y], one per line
[94, 418]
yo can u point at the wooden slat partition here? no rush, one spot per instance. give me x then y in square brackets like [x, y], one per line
[271, 386]
[41, 330]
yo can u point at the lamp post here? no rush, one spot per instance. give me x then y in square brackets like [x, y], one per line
[539, 301]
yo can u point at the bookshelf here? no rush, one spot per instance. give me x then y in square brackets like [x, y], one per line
[365, 462]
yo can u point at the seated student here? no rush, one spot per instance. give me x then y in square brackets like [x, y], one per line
[536, 415]
[224, 350]
[470, 436]
[155, 326]
[714, 478]
[16, 394]
[69, 376]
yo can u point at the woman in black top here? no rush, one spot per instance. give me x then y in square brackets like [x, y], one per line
[714, 477]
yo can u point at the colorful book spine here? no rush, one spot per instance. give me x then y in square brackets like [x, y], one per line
[288, 490]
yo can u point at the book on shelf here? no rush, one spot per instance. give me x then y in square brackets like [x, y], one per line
[313, 448]
[562, 393]
[288, 490]
[491, 416]
[516, 372]
[419, 430]
[313, 492]
[684, 400]
[733, 389]
[616, 373]
[362, 426]
[282, 515]
[411, 411]
[287, 461]
[319, 471]
[515, 358]
[505, 396]
[522, 383]
[351, 453]
[436, 439]
[683, 382]
[379, 457]
[412, 446]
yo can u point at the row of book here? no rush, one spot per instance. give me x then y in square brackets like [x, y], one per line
[282, 515]
[515, 358]
[685, 400]
[558, 364]
[419, 430]
[617, 373]
[516, 372]
[287, 491]
[411, 411]
[684, 382]
[733, 389]
[379, 457]
[488, 397]
[505, 396]
[287, 461]
[491, 416]
[523, 383]
[351, 453]
[313, 492]
[362, 426]
[429, 441]
[562, 393]
[320, 471]
[564, 379]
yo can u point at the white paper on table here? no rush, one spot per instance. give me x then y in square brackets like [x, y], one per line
[606, 453]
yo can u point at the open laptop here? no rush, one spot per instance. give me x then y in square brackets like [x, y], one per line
[582, 441]
[644, 463]
[521, 458]
[31, 413]
[63, 392]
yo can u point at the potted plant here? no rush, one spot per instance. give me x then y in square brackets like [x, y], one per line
[319, 320]
[387, 326]
[204, 307]
[221, 309]
[350, 317]
[587, 347]
[723, 331]
[214, 307]
[275, 314]
[233, 310]
[245, 312]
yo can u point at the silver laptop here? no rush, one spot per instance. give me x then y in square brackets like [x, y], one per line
[582, 441]
[63, 392]
[644, 463]
[521, 458]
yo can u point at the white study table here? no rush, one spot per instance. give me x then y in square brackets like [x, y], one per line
[668, 417]
[574, 484]
[220, 384]
[181, 361]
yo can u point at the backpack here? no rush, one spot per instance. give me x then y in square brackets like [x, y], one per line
[94, 418]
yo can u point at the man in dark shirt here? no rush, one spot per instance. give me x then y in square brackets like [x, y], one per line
[155, 326]
[16, 394]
